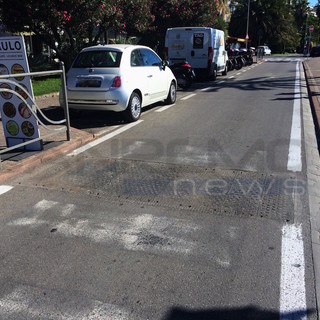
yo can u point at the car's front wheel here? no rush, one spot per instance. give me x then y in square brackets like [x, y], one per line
[172, 95]
[133, 110]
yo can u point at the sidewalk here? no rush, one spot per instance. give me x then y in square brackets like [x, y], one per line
[15, 162]
[312, 72]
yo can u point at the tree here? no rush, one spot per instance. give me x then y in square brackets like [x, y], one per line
[69, 25]
[271, 22]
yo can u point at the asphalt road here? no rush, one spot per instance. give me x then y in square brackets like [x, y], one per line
[197, 211]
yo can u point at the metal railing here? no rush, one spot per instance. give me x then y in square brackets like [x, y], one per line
[35, 109]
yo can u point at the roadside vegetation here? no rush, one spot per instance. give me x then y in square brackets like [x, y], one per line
[68, 26]
[43, 86]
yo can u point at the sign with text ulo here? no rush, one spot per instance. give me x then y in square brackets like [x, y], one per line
[19, 123]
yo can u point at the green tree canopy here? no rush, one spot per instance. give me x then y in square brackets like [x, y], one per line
[69, 25]
[271, 22]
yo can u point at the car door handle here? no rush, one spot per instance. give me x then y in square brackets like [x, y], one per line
[150, 76]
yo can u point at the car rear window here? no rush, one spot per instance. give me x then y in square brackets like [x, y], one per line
[98, 59]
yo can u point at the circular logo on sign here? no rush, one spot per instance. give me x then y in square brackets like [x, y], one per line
[12, 127]
[27, 128]
[24, 111]
[17, 68]
[21, 92]
[5, 94]
[9, 110]
[3, 70]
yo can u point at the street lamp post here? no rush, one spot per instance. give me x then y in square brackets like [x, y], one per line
[247, 34]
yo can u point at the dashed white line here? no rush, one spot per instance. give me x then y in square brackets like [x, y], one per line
[4, 189]
[165, 108]
[188, 96]
[205, 89]
[104, 138]
[292, 286]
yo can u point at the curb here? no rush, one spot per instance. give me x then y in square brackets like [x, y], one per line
[42, 157]
[311, 117]
[313, 98]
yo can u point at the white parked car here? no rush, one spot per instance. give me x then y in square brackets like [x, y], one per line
[119, 77]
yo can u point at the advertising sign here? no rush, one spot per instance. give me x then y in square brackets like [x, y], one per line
[19, 124]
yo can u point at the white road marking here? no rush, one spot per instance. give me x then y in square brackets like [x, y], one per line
[294, 157]
[26, 302]
[292, 286]
[221, 81]
[4, 189]
[188, 96]
[139, 233]
[205, 89]
[39, 209]
[165, 107]
[231, 77]
[104, 138]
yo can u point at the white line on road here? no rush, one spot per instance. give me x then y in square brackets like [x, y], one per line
[231, 77]
[4, 189]
[165, 108]
[292, 285]
[205, 89]
[104, 138]
[220, 82]
[294, 157]
[188, 96]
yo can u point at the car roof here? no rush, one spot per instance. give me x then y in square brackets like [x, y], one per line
[117, 47]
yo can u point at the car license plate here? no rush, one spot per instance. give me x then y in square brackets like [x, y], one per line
[88, 83]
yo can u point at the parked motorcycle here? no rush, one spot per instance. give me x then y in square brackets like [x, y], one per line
[235, 60]
[247, 56]
[184, 74]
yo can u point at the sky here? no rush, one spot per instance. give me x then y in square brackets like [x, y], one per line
[313, 2]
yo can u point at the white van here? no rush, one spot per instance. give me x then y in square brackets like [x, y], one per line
[202, 47]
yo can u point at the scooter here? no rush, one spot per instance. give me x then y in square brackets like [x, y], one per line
[184, 74]
[247, 56]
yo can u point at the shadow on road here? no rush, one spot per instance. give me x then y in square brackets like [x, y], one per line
[246, 313]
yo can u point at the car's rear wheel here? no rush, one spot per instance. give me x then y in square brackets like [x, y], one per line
[172, 95]
[133, 110]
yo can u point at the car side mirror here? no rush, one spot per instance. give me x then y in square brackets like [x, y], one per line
[165, 63]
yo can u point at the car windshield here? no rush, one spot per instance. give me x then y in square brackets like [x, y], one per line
[98, 59]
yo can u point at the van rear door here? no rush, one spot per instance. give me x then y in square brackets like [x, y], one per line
[199, 49]
[177, 45]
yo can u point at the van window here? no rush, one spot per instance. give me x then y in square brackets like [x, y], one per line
[198, 38]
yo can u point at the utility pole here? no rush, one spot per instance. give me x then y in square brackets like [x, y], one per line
[247, 34]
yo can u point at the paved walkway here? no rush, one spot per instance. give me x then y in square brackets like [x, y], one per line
[15, 162]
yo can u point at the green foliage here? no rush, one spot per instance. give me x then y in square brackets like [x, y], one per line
[278, 23]
[69, 25]
[46, 85]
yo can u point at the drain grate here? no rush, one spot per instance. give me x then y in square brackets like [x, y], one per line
[181, 186]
